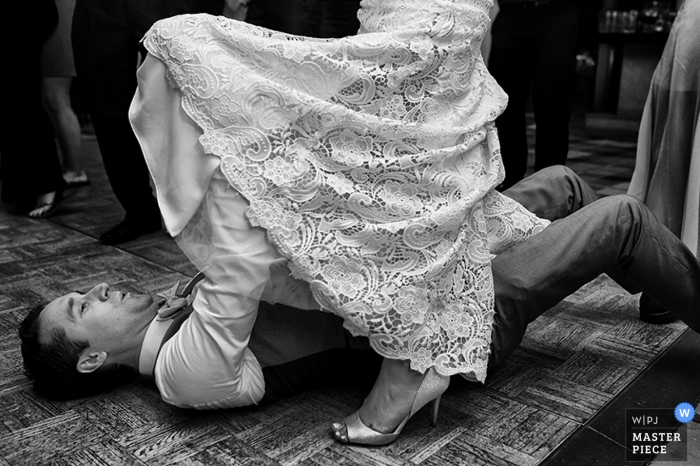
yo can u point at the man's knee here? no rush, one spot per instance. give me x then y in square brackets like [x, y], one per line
[628, 204]
[623, 211]
[577, 192]
[558, 176]
[558, 172]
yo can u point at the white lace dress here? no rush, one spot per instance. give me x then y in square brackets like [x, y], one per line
[370, 161]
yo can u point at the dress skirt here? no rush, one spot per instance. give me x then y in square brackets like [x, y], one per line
[370, 162]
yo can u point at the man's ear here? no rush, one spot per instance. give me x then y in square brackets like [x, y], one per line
[90, 361]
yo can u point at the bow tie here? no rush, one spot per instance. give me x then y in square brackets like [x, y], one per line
[173, 303]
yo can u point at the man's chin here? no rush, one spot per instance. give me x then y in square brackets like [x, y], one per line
[144, 303]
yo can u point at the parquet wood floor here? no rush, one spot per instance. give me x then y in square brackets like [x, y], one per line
[574, 360]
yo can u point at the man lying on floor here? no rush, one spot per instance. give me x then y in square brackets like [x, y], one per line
[81, 344]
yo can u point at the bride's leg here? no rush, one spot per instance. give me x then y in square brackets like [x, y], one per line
[391, 398]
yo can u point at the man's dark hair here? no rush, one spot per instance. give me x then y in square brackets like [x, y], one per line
[52, 366]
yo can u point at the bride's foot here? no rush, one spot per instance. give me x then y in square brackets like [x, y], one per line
[398, 393]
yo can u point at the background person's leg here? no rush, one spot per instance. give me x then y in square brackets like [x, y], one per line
[554, 64]
[509, 63]
[106, 50]
[56, 97]
[30, 165]
[279, 15]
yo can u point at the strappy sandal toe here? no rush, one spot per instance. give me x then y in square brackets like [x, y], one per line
[356, 432]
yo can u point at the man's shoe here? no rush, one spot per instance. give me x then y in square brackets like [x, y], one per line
[653, 313]
[126, 231]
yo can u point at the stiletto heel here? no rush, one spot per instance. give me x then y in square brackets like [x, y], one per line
[431, 389]
[436, 406]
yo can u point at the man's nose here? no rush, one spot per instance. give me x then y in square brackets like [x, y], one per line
[99, 292]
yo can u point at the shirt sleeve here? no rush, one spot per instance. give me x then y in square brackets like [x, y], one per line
[207, 363]
[284, 289]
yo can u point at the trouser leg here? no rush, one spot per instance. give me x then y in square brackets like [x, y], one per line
[279, 15]
[126, 168]
[556, 192]
[30, 163]
[553, 193]
[339, 18]
[300, 350]
[106, 47]
[554, 60]
[615, 235]
[311, 350]
[29, 160]
[335, 367]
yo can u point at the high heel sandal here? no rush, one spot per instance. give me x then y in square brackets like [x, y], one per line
[431, 389]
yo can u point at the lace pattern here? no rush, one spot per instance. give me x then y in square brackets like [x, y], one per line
[370, 161]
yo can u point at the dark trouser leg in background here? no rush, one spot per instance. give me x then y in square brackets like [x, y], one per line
[30, 164]
[106, 48]
[616, 235]
[279, 15]
[106, 39]
[553, 72]
[533, 53]
[510, 64]
[106, 45]
[126, 169]
[330, 18]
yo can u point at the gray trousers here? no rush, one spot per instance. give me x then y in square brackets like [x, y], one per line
[617, 235]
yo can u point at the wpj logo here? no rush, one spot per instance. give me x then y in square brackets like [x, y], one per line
[659, 434]
[684, 412]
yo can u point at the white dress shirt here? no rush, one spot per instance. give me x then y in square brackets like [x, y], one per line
[207, 363]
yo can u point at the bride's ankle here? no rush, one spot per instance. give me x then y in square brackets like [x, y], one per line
[400, 372]
[391, 397]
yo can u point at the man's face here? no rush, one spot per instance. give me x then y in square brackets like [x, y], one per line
[102, 316]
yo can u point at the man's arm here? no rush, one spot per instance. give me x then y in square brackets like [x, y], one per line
[207, 364]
